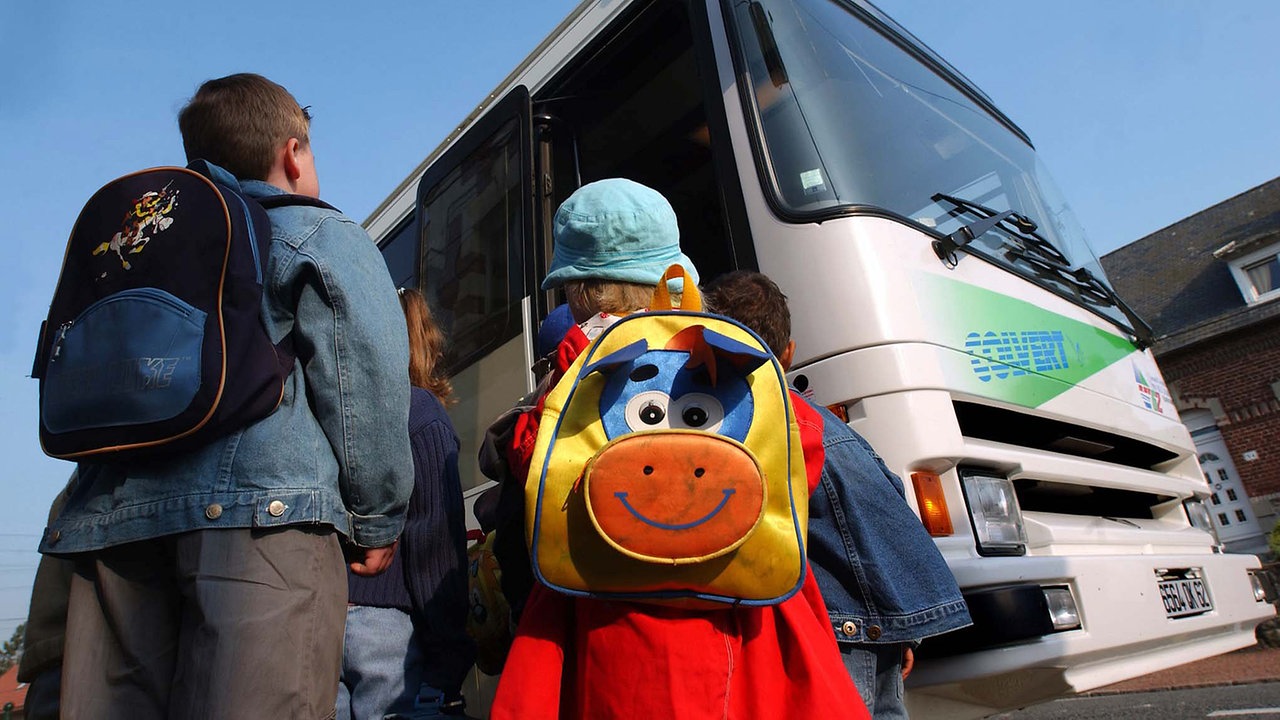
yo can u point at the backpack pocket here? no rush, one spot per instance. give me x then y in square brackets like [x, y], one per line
[129, 358]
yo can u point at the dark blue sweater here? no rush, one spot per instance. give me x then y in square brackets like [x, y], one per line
[427, 577]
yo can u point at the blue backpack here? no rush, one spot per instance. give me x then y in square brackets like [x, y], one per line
[154, 341]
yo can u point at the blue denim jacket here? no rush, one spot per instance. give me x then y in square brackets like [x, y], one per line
[336, 450]
[881, 576]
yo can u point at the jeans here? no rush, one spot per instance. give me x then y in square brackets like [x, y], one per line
[382, 664]
[877, 671]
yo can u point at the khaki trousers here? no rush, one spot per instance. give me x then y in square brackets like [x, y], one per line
[235, 623]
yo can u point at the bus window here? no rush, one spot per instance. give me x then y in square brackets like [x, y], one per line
[472, 216]
[400, 250]
[635, 109]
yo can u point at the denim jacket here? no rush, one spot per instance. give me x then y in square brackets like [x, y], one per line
[881, 576]
[336, 450]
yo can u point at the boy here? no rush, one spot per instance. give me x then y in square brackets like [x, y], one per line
[583, 657]
[211, 584]
[885, 584]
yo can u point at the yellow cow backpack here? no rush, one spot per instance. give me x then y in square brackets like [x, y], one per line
[668, 466]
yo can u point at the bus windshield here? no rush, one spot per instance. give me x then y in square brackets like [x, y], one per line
[852, 118]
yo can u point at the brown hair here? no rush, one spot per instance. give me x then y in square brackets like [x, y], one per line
[754, 300]
[239, 122]
[588, 297]
[426, 347]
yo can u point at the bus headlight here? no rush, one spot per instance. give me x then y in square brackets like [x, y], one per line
[993, 508]
[1198, 514]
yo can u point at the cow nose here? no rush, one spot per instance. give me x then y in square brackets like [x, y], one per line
[674, 496]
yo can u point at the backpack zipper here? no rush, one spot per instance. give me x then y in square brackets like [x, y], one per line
[62, 335]
[153, 294]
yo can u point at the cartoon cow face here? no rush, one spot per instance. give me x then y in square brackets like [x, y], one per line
[675, 482]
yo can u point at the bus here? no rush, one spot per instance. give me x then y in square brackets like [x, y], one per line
[944, 299]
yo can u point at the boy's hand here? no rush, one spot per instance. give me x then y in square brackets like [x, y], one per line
[368, 562]
[908, 661]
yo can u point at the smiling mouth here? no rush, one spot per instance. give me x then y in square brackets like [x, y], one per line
[681, 526]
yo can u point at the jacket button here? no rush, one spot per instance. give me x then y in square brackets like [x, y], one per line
[873, 632]
[849, 628]
[213, 512]
[276, 508]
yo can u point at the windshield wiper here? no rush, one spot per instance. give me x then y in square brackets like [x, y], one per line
[1023, 228]
[1085, 281]
[1037, 251]
[1144, 336]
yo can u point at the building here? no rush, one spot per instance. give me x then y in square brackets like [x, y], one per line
[1208, 285]
[13, 695]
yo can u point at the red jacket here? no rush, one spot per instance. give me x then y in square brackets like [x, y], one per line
[585, 658]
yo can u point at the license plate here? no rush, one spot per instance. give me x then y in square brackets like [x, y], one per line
[1184, 593]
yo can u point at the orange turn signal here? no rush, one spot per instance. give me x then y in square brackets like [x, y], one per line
[840, 411]
[933, 503]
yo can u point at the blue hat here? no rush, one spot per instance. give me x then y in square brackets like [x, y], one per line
[616, 229]
[553, 329]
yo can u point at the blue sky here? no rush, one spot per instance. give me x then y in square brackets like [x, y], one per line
[1146, 111]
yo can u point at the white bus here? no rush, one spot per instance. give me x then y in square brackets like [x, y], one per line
[944, 299]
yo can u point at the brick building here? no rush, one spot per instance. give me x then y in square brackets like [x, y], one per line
[1209, 286]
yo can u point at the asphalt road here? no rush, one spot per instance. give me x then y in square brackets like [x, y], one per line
[1257, 701]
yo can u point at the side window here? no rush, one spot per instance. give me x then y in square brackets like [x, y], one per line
[400, 251]
[472, 209]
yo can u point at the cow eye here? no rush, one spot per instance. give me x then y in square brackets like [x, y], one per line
[652, 413]
[648, 410]
[697, 411]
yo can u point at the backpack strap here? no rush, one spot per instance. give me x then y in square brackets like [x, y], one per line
[285, 352]
[691, 299]
[288, 199]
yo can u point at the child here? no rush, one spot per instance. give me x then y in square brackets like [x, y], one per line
[885, 583]
[211, 584]
[588, 658]
[406, 628]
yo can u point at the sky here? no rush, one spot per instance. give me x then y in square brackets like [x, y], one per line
[1145, 111]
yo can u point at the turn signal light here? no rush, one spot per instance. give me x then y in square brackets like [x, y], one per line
[933, 503]
[840, 411]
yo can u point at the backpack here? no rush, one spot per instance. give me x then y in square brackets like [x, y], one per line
[154, 341]
[489, 620]
[668, 466]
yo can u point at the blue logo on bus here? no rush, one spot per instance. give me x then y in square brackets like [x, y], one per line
[1006, 354]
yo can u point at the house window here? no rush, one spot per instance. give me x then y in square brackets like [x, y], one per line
[1240, 515]
[1215, 499]
[1231, 494]
[1258, 274]
[1222, 519]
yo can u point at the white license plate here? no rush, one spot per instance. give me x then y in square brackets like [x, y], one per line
[1186, 595]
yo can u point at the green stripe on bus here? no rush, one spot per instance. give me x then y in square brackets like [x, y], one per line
[1019, 352]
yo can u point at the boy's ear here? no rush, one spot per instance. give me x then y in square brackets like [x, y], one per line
[289, 159]
[788, 355]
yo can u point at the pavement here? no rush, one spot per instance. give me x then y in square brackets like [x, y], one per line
[1250, 665]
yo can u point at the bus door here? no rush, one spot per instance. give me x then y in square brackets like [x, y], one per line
[634, 104]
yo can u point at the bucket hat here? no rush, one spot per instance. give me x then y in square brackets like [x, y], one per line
[616, 229]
